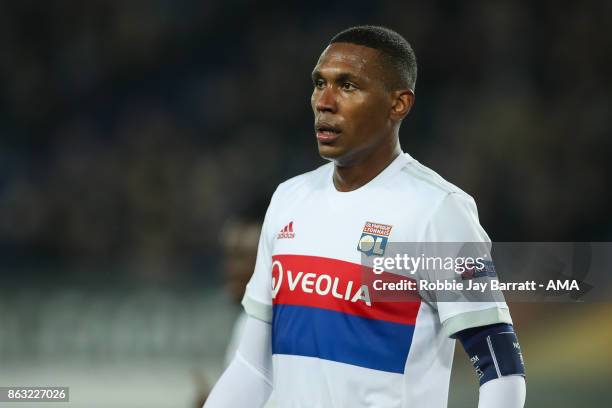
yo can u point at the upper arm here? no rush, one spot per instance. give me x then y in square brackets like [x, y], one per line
[250, 371]
[255, 348]
[456, 231]
[257, 299]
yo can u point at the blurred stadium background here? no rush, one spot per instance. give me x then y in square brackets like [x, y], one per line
[131, 132]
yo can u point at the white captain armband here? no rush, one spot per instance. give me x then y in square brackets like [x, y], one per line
[494, 351]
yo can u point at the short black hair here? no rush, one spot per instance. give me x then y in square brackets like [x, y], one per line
[396, 51]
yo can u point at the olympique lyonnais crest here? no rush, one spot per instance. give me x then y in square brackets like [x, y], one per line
[374, 238]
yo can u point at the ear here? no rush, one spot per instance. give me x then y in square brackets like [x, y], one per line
[402, 103]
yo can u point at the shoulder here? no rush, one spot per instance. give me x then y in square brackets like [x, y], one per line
[448, 211]
[425, 184]
[420, 184]
[305, 183]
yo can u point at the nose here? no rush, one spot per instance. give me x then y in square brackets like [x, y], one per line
[325, 100]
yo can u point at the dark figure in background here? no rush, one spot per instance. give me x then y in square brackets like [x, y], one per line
[238, 240]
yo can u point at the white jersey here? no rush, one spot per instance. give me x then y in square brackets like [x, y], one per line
[331, 345]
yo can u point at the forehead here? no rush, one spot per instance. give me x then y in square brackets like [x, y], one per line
[350, 58]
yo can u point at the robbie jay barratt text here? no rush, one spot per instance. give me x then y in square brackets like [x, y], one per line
[494, 285]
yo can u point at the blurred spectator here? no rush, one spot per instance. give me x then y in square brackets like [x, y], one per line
[239, 238]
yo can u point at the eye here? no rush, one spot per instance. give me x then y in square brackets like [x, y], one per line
[318, 83]
[347, 86]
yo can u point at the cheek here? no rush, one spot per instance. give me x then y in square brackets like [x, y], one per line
[368, 114]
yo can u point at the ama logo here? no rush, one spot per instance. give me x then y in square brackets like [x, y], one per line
[374, 238]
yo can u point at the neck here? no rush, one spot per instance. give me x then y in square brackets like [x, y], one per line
[351, 177]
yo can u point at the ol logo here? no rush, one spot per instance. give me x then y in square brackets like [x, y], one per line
[374, 238]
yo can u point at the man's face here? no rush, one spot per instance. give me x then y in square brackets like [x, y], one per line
[350, 103]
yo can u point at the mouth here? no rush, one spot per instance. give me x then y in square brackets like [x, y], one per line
[326, 133]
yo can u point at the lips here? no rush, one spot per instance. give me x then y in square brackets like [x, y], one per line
[327, 132]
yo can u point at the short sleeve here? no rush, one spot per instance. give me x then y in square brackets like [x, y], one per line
[456, 221]
[257, 300]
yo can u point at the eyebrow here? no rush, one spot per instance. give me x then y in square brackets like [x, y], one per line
[343, 76]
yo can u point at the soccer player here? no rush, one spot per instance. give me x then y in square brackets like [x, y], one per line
[313, 335]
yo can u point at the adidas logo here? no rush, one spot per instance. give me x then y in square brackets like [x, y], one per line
[286, 232]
